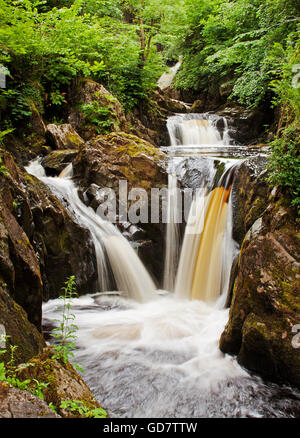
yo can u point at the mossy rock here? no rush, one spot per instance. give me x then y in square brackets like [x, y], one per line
[62, 380]
[55, 162]
[63, 136]
[250, 193]
[38, 235]
[266, 301]
[107, 159]
[267, 349]
[20, 331]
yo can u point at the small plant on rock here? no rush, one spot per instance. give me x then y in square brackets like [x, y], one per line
[65, 333]
[79, 407]
[9, 372]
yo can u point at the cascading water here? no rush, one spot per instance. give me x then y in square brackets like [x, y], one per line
[197, 129]
[172, 231]
[129, 273]
[166, 78]
[203, 270]
[161, 358]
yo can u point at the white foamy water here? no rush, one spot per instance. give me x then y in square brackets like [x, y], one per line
[197, 129]
[172, 242]
[203, 268]
[161, 359]
[166, 78]
[129, 272]
[157, 355]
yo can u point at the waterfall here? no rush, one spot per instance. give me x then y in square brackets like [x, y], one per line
[166, 78]
[129, 272]
[226, 135]
[160, 358]
[172, 232]
[197, 130]
[208, 249]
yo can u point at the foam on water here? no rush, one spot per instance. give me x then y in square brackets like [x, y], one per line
[161, 359]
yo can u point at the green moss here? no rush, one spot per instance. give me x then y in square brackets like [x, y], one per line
[74, 139]
[64, 241]
[29, 178]
[48, 371]
[134, 146]
[257, 208]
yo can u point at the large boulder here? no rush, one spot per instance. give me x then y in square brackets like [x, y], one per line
[94, 110]
[107, 159]
[265, 308]
[63, 136]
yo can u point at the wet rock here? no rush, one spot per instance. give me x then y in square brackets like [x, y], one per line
[42, 245]
[154, 116]
[168, 103]
[151, 252]
[250, 193]
[139, 129]
[20, 332]
[197, 172]
[136, 233]
[197, 107]
[64, 383]
[107, 159]
[266, 301]
[63, 136]
[233, 275]
[56, 161]
[246, 125]
[60, 242]
[15, 403]
[19, 267]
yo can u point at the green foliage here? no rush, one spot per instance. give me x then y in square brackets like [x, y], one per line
[9, 372]
[285, 159]
[100, 114]
[79, 407]
[65, 333]
[285, 164]
[16, 204]
[3, 170]
[47, 45]
[53, 407]
[230, 41]
[3, 134]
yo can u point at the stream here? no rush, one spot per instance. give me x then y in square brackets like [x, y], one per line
[154, 353]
